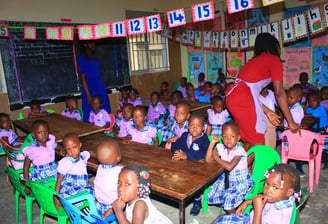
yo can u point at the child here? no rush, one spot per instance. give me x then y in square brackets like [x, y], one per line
[176, 98]
[164, 86]
[72, 175]
[99, 116]
[191, 93]
[276, 204]
[139, 131]
[165, 95]
[156, 109]
[124, 121]
[217, 116]
[317, 111]
[306, 86]
[235, 183]
[201, 79]
[178, 126]
[134, 97]
[108, 155]
[324, 97]
[216, 90]
[41, 154]
[207, 90]
[294, 96]
[192, 145]
[36, 110]
[123, 100]
[12, 138]
[133, 190]
[183, 87]
[222, 82]
[71, 110]
[268, 99]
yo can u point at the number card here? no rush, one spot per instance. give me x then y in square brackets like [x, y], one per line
[203, 11]
[300, 26]
[136, 26]
[30, 32]
[243, 38]
[215, 39]
[4, 32]
[86, 32]
[287, 30]
[52, 33]
[176, 17]
[102, 30]
[233, 38]
[270, 2]
[67, 33]
[239, 5]
[119, 29]
[153, 23]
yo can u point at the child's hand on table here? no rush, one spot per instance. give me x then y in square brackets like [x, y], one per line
[179, 155]
[126, 140]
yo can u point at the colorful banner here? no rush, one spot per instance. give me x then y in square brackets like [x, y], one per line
[214, 66]
[203, 11]
[297, 60]
[239, 5]
[196, 65]
[320, 66]
[235, 62]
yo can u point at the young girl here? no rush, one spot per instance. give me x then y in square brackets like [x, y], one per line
[133, 190]
[275, 205]
[123, 100]
[222, 82]
[98, 116]
[201, 79]
[183, 87]
[156, 109]
[124, 121]
[36, 110]
[176, 98]
[235, 183]
[72, 176]
[134, 97]
[217, 116]
[71, 110]
[108, 156]
[191, 93]
[139, 131]
[41, 153]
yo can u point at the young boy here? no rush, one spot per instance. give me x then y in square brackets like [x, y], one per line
[294, 96]
[324, 97]
[192, 145]
[317, 111]
[183, 87]
[179, 125]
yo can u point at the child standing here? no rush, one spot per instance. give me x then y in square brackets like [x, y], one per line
[108, 155]
[124, 121]
[71, 110]
[178, 126]
[36, 110]
[134, 190]
[41, 154]
[276, 204]
[235, 183]
[156, 109]
[134, 97]
[317, 111]
[183, 87]
[72, 176]
[192, 145]
[99, 116]
[217, 116]
[139, 131]
[294, 96]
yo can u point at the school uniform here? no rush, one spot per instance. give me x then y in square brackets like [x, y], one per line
[201, 83]
[100, 119]
[136, 102]
[155, 111]
[216, 120]
[321, 113]
[75, 175]
[11, 135]
[123, 124]
[43, 159]
[172, 130]
[145, 135]
[75, 114]
[106, 186]
[324, 103]
[183, 90]
[297, 113]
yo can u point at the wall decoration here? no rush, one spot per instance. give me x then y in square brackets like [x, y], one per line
[119, 29]
[176, 17]
[203, 11]
[287, 30]
[234, 21]
[239, 5]
[198, 38]
[252, 33]
[136, 26]
[102, 30]
[30, 32]
[215, 39]
[4, 32]
[196, 65]
[153, 23]
[214, 66]
[243, 34]
[52, 33]
[258, 16]
[224, 40]
[315, 22]
[235, 62]
[300, 26]
[233, 39]
[297, 60]
[273, 29]
[67, 33]
[320, 66]
[207, 39]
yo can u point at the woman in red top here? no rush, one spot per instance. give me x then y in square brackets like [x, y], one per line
[243, 95]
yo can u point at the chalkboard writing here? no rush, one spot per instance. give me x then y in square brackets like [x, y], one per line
[44, 69]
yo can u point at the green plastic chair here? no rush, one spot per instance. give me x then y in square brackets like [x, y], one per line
[264, 158]
[295, 219]
[81, 113]
[44, 195]
[16, 179]
[176, 85]
[50, 111]
[159, 136]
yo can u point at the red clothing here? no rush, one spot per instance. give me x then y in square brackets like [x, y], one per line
[240, 101]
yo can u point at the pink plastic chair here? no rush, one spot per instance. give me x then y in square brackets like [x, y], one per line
[110, 128]
[303, 147]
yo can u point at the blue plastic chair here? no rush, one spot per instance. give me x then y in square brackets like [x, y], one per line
[78, 217]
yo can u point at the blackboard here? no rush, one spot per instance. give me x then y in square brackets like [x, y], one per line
[45, 69]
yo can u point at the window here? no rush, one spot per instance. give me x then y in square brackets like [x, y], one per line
[148, 52]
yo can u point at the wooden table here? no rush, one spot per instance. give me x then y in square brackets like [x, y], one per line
[176, 181]
[59, 126]
[194, 106]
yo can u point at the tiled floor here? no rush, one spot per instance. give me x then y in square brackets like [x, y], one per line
[314, 212]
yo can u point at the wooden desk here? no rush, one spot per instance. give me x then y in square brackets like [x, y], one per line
[176, 181]
[194, 106]
[59, 126]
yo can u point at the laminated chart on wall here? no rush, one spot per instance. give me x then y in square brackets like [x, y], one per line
[196, 65]
[320, 66]
[235, 62]
[214, 66]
